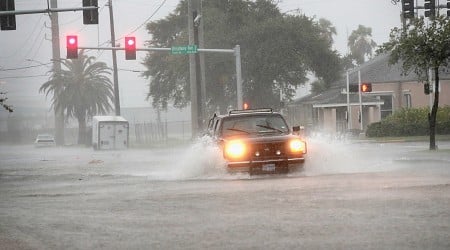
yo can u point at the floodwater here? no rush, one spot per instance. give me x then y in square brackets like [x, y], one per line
[350, 195]
[202, 160]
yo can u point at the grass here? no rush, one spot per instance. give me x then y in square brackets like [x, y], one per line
[410, 138]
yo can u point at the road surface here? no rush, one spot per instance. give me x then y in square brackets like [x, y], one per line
[350, 195]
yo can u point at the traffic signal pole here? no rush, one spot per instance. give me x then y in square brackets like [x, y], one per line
[360, 102]
[349, 110]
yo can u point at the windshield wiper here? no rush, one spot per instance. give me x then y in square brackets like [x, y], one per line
[271, 128]
[238, 130]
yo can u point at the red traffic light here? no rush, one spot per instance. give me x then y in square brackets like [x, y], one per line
[366, 87]
[246, 106]
[130, 48]
[72, 47]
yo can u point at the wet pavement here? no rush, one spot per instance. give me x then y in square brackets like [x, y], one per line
[350, 195]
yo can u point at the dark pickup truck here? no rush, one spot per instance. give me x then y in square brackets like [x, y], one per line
[258, 141]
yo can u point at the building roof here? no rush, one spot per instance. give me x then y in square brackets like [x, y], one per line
[376, 70]
[335, 97]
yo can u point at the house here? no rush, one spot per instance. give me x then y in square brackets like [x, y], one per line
[334, 111]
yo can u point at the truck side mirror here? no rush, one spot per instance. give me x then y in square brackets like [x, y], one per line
[298, 130]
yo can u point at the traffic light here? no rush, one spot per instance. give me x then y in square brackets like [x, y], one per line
[130, 48]
[72, 47]
[353, 88]
[366, 87]
[426, 88]
[7, 22]
[430, 8]
[408, 8]
[246, 105]
[448, 8]
[90, 16]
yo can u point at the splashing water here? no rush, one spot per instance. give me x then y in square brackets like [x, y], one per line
[202, 160]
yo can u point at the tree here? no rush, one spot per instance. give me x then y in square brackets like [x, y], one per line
[318, 86]
[327, 30]
[421, 46]
[361, 44]
[277, 52]
[3, 99]
[86, 90]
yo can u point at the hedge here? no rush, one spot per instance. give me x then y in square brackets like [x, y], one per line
[410, 122]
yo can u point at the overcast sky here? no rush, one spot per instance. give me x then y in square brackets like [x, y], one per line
[29, 45]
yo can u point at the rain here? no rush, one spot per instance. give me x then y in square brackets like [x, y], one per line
[370, 178]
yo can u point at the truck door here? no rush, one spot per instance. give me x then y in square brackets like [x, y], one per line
[121, 133]
[107, 137]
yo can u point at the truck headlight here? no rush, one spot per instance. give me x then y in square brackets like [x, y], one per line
[235, 149]
[297, 146]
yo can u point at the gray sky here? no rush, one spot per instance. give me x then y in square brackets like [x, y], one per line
[29, 45]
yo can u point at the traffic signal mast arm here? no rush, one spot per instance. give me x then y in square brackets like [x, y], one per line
[48, 10]
[158, 49]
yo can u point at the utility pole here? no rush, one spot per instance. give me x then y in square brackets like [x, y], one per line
[114, 59]
[194, 21]
[201, 45]
[59, 112]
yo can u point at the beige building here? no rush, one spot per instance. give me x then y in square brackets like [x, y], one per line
[334, 112]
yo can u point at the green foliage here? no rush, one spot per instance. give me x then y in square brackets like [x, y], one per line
[420, 45]
[277, 52]
[318, 87]
[361, 44]
[410, 122]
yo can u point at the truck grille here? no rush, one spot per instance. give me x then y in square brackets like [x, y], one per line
[266, 151]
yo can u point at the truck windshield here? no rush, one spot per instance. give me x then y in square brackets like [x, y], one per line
[254, 124]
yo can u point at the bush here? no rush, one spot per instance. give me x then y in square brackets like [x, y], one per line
[410, 122]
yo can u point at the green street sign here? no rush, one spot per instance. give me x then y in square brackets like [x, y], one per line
[182, 50]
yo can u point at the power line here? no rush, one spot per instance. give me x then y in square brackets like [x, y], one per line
[28, 39]
[148, 19]
[138, 27]
[17, 77]
[27, 67]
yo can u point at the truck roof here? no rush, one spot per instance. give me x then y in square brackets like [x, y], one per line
[109, 118]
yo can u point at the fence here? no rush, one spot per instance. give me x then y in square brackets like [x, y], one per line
[141, 134]
[157, 133]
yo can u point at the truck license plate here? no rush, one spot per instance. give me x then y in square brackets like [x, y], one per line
[268, 167]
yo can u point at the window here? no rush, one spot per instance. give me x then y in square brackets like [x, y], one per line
[386, 108]
[253, 124]
[407, 100]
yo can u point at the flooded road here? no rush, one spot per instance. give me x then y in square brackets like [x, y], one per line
[350, 195]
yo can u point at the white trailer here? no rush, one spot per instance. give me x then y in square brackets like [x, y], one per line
[110, 132]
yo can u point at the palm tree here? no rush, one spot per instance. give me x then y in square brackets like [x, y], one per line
[361, 44]
[3, 99]
[86, 90]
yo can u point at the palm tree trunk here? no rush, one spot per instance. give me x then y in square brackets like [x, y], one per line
[432, 116]
[81, 129]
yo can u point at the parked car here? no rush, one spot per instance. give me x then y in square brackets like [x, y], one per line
[258, 141]
[44, 140]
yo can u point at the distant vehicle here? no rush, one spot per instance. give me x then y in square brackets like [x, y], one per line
[258, 141]
[44, 140]
[109, 132]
